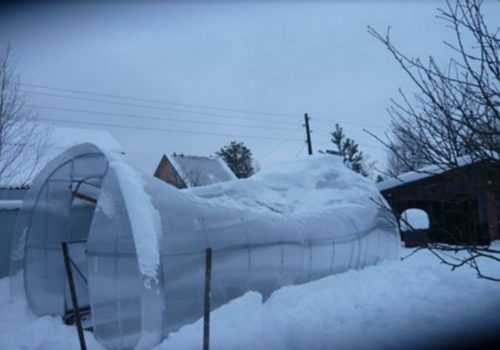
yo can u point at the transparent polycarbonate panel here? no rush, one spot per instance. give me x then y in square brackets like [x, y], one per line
[103, 272]
[362, 254]
[265, 268]
[321, 258]
[230, 275]
[293, 268]
[129, 288]
[77, 252]
[183, 280]
[124, 311]
[90, 168]
[102, 249]
[46, 292]
[32, 253]
[36, 264]
[81, 218]
[342, 256]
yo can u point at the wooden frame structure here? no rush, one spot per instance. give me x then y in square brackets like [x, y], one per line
[461, 203]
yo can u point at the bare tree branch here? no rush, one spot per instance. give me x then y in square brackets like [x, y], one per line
[21, 139]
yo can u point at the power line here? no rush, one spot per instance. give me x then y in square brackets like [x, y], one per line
[192, 105]
[342, 122]
[166, 130]
[365, 146]
[169, 109]
[140, 116]
[181, 110]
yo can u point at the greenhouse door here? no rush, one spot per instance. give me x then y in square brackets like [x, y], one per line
[82, 211]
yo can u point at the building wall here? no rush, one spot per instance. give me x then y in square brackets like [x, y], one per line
[166, 172]
[460, 203]
[7, 224]
[12, 194]
[8, 217]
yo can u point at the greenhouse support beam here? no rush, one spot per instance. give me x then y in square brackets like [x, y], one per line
[74, 299]
[206, 313]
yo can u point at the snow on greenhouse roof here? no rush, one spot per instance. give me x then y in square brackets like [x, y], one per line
[313, 184]
[144, 218]
[301, 193]
[200, 171]
[53, 140]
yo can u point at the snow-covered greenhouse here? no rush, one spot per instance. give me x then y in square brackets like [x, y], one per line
[139, 244]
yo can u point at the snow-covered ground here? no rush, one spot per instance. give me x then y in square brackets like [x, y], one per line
[394, 305]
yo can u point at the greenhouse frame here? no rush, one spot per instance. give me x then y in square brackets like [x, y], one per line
[138, 244]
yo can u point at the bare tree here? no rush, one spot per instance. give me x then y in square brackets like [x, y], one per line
[21, 139]
[456, 110]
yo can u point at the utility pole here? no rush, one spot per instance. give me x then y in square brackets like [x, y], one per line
[308, 134]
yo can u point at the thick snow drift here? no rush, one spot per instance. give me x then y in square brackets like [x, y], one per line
[396, 304]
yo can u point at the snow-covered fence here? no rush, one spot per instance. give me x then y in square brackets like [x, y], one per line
[144, 252]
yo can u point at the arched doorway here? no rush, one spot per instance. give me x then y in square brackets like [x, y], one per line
[414, 224]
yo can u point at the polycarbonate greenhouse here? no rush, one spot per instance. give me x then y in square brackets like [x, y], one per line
[139, 244]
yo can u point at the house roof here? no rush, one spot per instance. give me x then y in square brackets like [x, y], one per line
[199, 170]
[20, 173]
[423, 173]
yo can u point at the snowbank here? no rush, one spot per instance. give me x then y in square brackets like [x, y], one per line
[395, 304]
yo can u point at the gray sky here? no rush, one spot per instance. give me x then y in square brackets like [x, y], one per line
[276, 60]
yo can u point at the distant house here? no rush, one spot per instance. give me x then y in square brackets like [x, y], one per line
[24, 168]
[461, 204]
[183, 171]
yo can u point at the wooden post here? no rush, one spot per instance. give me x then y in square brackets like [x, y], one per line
[308, 134]
[208, 292]
[74, 299]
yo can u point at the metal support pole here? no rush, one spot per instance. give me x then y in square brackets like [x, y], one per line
[308, 134]
[74, 299]
[208, 292]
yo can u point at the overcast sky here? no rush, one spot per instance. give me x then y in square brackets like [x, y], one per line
[203, 62]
